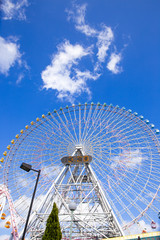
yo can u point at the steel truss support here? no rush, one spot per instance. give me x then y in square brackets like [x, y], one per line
[93, 216]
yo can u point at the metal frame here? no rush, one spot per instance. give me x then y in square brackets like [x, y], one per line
[93, 216]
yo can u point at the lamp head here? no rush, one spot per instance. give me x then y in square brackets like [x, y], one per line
[72, 206]
[26, 167]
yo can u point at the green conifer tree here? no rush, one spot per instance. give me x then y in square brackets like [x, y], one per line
[53, 230]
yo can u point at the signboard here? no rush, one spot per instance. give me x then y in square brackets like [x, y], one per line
[76, 159]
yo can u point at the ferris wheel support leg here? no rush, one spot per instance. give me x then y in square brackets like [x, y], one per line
[104, 201]
[90, 226]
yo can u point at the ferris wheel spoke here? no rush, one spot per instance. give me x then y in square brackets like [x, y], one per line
[93, 130]
[118, 122]
[131, 201]
[56, 132]
[66, 128]
[97, 116]
[126, 184]
[80, 140]
[139, 193]
[125, 209]
[94, 136]
[86, 123]
[115, 209]
[73, 127]
[45, 128]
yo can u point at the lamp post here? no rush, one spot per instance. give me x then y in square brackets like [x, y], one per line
[72, 208]
[27, 167]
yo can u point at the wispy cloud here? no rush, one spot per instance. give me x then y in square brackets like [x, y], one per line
[19, 79]
[113, 64]
[50, 172]
[5, 237]
[9, 55]
[63, 74]
[104, 36]
[129, 159]
[11, 10]
[78, 15]
[140, 226]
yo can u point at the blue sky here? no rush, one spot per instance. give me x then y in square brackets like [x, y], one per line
[55, 53]
[39, 32]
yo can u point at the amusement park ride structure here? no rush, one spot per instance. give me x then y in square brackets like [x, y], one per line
[93, 216]
[103, 158]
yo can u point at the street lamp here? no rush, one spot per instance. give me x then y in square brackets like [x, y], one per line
[72, 208]
[27, 167]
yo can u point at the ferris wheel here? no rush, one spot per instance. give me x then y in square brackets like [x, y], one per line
[105, 159]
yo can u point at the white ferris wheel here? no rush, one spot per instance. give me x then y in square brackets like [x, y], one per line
[103, 158]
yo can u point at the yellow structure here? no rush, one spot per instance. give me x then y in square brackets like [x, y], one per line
[142, 236]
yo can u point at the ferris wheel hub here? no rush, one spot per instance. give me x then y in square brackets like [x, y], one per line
[76, 160]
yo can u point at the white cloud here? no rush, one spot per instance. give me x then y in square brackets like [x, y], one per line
[9, 55]
[128, 158]
[15, 10]
[5, 237]
[50, 172]
[63, 75]
[138, 227]
[132, 158]
[113, 64]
